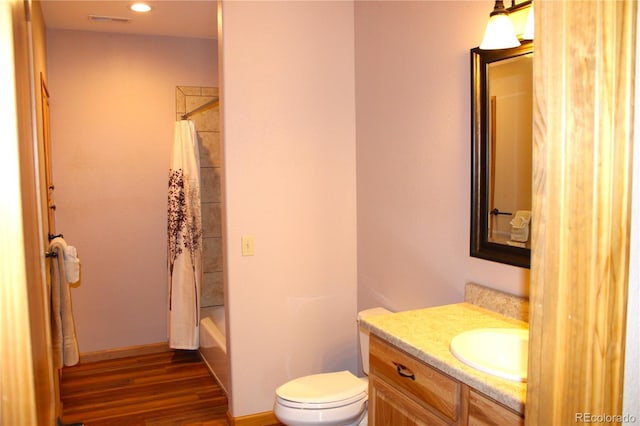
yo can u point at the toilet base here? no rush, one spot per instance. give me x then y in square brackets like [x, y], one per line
[365, 418]
[352, 415]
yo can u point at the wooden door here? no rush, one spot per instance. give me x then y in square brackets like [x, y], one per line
[48, 166]
[26, 384]
[584, 78]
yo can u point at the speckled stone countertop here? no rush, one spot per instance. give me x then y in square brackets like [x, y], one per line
[426, 333]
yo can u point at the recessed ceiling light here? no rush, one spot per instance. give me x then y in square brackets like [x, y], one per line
[140, 7]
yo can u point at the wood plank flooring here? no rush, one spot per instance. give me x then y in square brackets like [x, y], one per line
[168, 388]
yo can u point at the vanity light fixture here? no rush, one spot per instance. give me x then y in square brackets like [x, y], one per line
[500, 33]
[140, 7]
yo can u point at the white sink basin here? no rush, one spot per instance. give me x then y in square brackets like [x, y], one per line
[502, 352]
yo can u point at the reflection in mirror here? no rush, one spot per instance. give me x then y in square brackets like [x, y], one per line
[510, 89]
[502, 88]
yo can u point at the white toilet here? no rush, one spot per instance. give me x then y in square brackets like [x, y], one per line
[338, 399]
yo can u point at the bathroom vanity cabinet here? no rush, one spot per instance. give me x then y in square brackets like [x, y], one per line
[404, 390]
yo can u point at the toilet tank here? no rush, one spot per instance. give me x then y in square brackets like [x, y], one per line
[364, 335]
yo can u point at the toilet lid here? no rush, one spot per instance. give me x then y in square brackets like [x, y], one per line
[323, 388]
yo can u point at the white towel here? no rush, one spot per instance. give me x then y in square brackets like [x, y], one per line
[184, 228]
[63, 329]
[71, 264]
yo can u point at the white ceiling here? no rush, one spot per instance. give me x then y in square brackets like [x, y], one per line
[177, 18]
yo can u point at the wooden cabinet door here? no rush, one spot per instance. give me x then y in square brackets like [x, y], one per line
[387, 406]
[486, 412]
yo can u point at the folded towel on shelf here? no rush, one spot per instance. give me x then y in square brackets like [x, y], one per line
[63, 329]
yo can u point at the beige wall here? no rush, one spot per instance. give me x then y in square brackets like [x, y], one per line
[289, 159]
[288, 141]
[112, 114]
[414, 147]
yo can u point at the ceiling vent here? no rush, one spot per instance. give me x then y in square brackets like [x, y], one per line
[101, 18]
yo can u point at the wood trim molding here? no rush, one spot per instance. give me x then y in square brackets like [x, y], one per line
[152, 348]
[259, 419]
[583, 128]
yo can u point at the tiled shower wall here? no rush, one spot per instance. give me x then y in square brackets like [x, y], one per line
[208, 127]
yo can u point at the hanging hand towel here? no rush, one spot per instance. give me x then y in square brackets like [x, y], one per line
[63, 330]
[184, 228]
[71, 264]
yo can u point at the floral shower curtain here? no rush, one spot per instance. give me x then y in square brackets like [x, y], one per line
[184, 227]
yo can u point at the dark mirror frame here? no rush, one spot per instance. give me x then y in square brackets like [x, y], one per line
[481, 247]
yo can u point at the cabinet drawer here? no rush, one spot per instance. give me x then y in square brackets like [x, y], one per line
[426, 385]
[487, 412]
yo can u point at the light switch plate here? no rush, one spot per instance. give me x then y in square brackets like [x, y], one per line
[247, 245]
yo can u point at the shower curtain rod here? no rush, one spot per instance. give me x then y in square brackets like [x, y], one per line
[201, 108]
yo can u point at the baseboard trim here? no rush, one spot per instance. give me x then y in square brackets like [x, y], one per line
[259, 419]
[151, 348]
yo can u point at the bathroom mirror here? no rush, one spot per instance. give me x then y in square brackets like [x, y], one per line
[501, 148]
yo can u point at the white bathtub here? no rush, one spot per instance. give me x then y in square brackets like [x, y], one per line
[213, 343]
